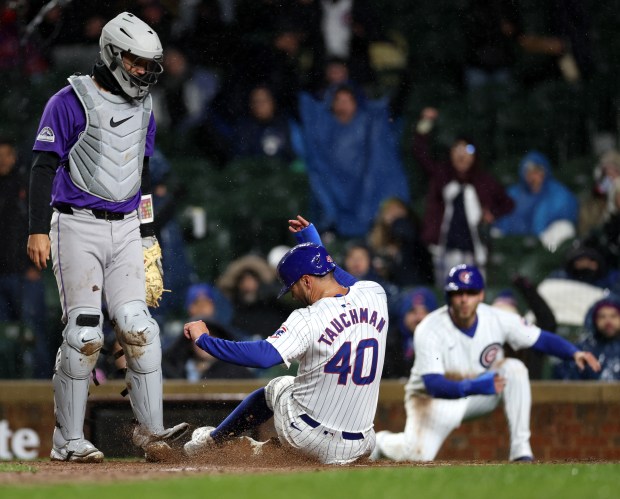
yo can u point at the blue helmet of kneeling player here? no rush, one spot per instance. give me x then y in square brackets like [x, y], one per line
[303, 259]
[463, 278]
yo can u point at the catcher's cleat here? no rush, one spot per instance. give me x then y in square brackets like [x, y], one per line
[201, 441]
[75, 451]
[155, 452]
[142, 436]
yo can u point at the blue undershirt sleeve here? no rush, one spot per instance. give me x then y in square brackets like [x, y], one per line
[439, 387]
[311, 235]
[261, 354]
[552, 344]
[343, 277]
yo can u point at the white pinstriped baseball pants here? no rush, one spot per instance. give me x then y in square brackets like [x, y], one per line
[431, 420]
[327, 445]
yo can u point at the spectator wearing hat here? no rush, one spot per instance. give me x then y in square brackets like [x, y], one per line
[602, 338]
[250, 284]
[414, 306]
[588, 265]
[605, 236]
[396, 241]
[411, 307]
[599, 203]
[544, 207]
[206, 301]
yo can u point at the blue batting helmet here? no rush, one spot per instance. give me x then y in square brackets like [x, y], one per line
[464, 277]
[303, 259]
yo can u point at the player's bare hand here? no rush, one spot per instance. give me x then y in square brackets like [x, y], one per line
[39, 249]
[297, 225]
[586, 358]
[499, 383]
[194, 330]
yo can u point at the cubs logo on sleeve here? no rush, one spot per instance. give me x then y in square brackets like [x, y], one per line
[279, 332]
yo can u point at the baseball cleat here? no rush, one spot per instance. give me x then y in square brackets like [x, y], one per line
[142, 436]
[75, 451]
[201, 441]
[523, 459]
[155, 452]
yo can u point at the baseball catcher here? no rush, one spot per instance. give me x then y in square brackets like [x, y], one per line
[90, 178]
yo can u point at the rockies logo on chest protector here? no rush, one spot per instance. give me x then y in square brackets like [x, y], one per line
[107, 159]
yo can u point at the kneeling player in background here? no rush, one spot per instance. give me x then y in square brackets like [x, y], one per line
[460, 371]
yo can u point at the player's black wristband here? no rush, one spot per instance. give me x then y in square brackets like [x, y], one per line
[147, 230]
[145, 181]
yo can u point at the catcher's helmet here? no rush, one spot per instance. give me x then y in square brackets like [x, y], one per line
[464, 277]
[303, 259]
[127, 33]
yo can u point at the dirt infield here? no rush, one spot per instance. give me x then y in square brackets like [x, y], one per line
[240, 457]
[237, 457]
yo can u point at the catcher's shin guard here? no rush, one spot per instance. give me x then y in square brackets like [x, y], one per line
[76, 358]
[138, 334]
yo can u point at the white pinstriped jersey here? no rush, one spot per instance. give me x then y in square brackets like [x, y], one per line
[440, 348]
[340, 345]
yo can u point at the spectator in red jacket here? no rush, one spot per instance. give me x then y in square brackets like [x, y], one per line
[462, 200]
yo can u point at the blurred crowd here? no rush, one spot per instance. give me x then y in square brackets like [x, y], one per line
[329, 90]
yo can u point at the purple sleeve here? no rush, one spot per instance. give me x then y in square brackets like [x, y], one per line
[150, 137]
[260, 354]
[62, 121]
[552, 344]
[439, 386]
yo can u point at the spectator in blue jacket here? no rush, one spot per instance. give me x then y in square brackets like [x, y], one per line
[352, 158]
[602, 338]
[544, 207]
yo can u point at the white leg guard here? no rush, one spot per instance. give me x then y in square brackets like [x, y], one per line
[138, 334]
[517, 397]
[76, 358]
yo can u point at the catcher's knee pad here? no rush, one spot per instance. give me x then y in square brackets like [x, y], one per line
[83, 339]
[138, 334]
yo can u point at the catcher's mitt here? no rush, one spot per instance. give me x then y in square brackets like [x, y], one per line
[153, 273]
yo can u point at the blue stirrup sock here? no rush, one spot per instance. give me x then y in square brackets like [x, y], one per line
[250, 413]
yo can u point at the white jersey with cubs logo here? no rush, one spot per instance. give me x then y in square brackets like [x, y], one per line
[441, 348]
[340, 345]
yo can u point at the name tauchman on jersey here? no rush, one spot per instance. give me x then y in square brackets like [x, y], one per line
[348, 319]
